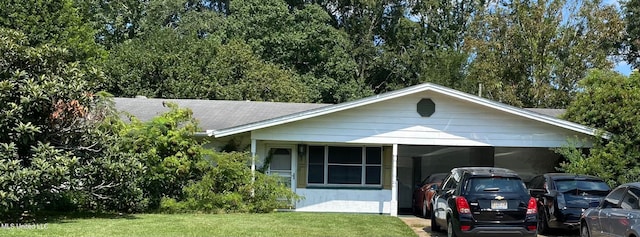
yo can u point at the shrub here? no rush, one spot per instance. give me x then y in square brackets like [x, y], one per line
[228, 187]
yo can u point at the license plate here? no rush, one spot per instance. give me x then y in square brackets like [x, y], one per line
[499, 204]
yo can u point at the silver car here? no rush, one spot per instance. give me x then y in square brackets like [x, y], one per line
[617, 215]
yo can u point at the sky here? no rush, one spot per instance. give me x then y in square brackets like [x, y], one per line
[623, 68]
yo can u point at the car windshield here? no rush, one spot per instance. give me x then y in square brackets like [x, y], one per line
[496, 184]
[583, 185]
[434, 178]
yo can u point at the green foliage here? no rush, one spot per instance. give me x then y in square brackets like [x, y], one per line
[167, 64]
[632, 42]
[56, 136]
[611, 102]
[168, 151]
[228, 187]
[533, 53]
[57, 23]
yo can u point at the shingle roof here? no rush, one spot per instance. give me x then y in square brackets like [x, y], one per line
[214, 114]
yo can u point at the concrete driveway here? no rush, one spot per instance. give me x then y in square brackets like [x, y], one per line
[422, 227]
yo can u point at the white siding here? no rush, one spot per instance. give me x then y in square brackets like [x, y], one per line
[454, 123]
[344, 200]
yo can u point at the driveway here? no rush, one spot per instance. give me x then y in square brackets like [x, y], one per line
[422, 227]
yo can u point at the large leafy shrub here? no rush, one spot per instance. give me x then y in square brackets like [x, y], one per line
[228, 187]
[57, 139]
[170, 153]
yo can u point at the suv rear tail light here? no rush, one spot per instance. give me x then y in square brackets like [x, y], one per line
[532, 208]
[463, 205]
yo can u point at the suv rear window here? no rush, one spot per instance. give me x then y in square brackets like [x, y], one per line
[582, 185]
[496, 184]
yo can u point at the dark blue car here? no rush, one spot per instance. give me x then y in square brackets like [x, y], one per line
[562, 198]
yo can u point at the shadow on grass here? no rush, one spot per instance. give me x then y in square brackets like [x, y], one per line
[69, 217]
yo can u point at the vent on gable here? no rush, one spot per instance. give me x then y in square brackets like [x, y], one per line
[426, 107]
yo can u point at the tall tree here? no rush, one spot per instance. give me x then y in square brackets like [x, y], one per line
[632, 42]
[56, 136]
[167, 64]
[610, 102]
[532, 53]
[301, 39]
[56, 22]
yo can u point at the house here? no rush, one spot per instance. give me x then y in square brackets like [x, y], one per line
[367, 155]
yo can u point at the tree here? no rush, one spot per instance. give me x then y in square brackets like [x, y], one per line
[303, 40]
[610, 102]
[632, 42]
[56, 136]
[168, 64]
[114, 22]
[533, 53]
[55, 22]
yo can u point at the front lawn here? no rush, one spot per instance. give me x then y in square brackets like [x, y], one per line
[274, 224]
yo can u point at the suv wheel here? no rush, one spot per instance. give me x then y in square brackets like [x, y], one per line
[434, 224]
[450, 232]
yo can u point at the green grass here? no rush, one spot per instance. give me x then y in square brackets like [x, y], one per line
[274, 224]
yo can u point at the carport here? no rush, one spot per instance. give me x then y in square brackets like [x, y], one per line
[417, 162]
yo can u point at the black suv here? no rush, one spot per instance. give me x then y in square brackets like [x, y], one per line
[563, 197]
[484, 201]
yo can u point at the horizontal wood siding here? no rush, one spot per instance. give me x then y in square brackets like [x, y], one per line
[454, 123]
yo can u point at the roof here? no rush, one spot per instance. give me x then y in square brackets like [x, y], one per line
[540, 115]
[214, 114]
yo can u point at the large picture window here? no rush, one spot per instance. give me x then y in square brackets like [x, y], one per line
[339, 165]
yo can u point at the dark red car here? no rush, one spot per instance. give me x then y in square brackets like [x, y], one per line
[423, 194]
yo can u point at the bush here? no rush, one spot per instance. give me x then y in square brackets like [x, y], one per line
[172, 157]
[228, 187]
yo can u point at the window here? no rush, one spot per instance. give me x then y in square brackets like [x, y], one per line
[612, 200]
[340, 165]
[496, 184]
[630, 201]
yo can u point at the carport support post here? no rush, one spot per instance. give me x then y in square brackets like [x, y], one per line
[394, 181]
[253, 164]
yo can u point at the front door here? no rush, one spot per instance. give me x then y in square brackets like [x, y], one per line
[282, 163]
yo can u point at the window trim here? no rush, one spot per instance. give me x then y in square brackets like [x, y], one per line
[363, 165]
